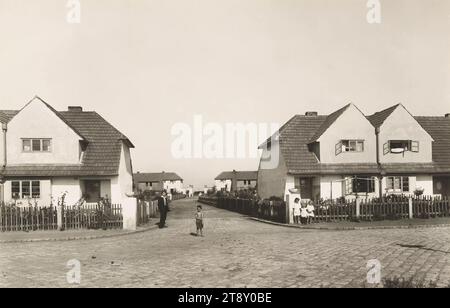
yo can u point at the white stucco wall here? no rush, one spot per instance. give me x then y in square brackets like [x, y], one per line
[169, 185]
[71, 186]
[400, 125]
[331, 187]
[122, 185]
[351, 125]
[65, 148]
[2, 151]
[425, 182]
[222, 184]
[290, 184]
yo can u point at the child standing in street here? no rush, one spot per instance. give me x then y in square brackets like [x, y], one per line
[199, 220]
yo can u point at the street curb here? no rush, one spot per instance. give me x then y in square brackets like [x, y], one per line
[351, 228]
[79, 238]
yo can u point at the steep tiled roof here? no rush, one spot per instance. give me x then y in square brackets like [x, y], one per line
[7, 115]
[298, 132]
[156, 177]
[239, 175]
[439, 129]
[377, 119]
[102, 155]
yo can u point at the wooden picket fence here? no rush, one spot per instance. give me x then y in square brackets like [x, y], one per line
[145, 211]
[87, 216]
[14, 218]
[93, 216]
[269, 210]
[391, 208]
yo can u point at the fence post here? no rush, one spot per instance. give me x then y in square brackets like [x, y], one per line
[410, 208]
[60, 217]
[358, 207]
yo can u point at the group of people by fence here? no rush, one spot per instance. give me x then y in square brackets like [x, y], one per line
[303, 212]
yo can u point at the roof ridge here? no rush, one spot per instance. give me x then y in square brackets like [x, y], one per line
[331, 118]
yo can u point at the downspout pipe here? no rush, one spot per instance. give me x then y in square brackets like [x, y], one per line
[380, 168]
[4, 129]
[2, 178]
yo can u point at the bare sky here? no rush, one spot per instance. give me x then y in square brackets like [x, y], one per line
[148, 64]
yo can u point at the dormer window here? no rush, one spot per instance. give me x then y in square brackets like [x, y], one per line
[36, 145]
[401, 146]
[350, 146]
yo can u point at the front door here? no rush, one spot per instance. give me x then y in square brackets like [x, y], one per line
[92, 191]
[306, 188]
[441, 186]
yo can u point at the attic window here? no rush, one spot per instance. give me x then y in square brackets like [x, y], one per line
[349, 146]
[401, 146]
[36, 145]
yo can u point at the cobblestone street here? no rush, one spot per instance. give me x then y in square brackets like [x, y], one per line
[235, 252]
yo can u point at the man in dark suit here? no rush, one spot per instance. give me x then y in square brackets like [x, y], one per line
[163, 204]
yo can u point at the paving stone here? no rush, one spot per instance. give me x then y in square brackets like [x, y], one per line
[235, 251]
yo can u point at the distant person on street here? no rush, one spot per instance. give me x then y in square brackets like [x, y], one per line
[199, 220]
[296, 209]
[162, 207]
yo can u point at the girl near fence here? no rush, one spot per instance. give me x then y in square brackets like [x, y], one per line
[310, 209]
[304, 214]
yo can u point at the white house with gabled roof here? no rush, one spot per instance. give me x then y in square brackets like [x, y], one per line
[348, 154]
[47, 153]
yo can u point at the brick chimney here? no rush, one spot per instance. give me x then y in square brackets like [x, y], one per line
[447, 115]
[311, 113]
[75, 109]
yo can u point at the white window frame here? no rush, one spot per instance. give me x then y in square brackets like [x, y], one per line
[41, 145]
[30, 189]
[401, 181]
[350, 146]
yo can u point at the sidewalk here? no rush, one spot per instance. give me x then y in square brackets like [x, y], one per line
[69, 235]
[367, 225]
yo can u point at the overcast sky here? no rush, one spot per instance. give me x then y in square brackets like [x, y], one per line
[146, 65]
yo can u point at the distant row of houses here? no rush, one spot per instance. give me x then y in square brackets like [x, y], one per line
[236, 180]
[163, 181]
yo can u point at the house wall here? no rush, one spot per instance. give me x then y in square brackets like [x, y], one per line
[402, 126]
[240, 184]
[122, 185]
[272, 181]
[425, 182]
[351, 125]
[157, 186]
[331, 187]
[176, 185]
[222, 184]
[70, 186]
[65, 142]
[2, 151]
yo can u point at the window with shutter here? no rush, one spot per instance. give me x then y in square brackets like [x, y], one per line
[349, 186]
[414, 146]
[386, 148]
[338, 148]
